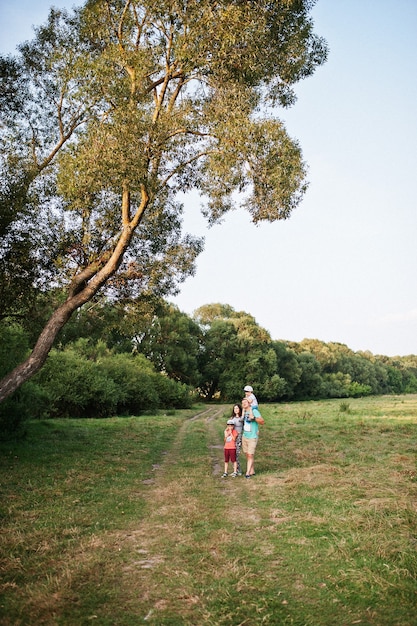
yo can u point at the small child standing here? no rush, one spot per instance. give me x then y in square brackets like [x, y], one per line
[230, 436]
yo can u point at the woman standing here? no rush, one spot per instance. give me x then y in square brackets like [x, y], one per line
[238, 424]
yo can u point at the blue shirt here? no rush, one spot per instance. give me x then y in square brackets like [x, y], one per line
[251, 428]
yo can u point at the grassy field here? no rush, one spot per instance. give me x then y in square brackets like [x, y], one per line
[126, 521]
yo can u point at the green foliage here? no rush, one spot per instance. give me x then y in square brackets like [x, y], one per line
[236, 350]
[310, 384]
[28, 402]
[111, 384]
[76, 387]
[395, 379]
[220, 361]
[336, 385]
[133, 377]
[275, 387]
[411, 384]
[86, 379]
[14, 346]
[101, 320]
[289, 369]
[126, 106]
[344, 407]
[358, 390]
[172, 342]
[173, 394]
[151, 352]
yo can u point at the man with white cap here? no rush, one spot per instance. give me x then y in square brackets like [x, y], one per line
[250, 396]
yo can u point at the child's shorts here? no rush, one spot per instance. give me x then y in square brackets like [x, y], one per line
[230, 455]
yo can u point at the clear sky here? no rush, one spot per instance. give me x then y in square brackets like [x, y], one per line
[344, 267]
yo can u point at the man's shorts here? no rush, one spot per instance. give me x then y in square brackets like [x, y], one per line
[249, 445]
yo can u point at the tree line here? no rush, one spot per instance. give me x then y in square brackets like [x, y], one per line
[116, 358]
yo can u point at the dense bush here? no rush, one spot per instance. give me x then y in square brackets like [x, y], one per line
[133, 377]
[30, 401]
[76, 386]
[173, 394]
[14, 347]
[85, 379]
[122, 384]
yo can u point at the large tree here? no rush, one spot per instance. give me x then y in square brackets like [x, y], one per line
[236, 350]
[172, 342]
[113, 110]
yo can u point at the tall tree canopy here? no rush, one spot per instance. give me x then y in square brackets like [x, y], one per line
[113, 110]
[235, 350]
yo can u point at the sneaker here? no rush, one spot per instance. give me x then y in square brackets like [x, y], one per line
[224, 475]
[247, 476]
[233, 475]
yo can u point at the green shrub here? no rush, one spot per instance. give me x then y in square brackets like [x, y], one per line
[172, 393]
[133, 376]
[14, 347]
[140, 387]
[336, 385]
[358, 390]
[76, 387]
[86, 380]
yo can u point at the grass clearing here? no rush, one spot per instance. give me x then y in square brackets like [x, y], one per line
[126, 521]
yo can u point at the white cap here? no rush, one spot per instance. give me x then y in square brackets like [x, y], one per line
[247, 388]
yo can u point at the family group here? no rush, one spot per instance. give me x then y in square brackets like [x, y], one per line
[241, 434]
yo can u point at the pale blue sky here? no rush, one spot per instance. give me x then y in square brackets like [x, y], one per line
[343, 267]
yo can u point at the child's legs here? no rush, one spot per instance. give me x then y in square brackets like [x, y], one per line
[227, 458]
[233, 459]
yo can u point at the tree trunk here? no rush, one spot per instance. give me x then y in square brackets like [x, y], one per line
[58, 319]
[37, 358]
[93, 278]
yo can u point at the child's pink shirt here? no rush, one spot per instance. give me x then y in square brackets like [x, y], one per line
[230, 445]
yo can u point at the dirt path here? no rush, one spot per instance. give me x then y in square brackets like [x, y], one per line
[155, 573]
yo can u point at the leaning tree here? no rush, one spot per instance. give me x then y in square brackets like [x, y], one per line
[117, 108]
